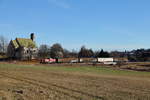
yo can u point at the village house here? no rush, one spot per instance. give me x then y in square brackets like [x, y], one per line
[22, 48]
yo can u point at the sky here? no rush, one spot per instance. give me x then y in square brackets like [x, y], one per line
[97, 24]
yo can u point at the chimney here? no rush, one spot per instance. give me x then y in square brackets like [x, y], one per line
[32, 36]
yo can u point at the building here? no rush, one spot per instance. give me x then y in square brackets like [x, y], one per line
[106, 61]
[22, 48]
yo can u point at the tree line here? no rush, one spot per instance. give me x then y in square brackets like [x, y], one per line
[57, 51]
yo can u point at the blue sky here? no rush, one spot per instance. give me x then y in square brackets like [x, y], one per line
[107, 24]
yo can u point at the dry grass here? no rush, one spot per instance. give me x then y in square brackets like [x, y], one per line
[30, 82]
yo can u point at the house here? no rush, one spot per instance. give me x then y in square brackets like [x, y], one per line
[22, 48]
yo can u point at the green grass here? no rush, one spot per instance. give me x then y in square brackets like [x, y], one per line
[89, 69]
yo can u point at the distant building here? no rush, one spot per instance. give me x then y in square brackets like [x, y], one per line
[106, 61]
[22, 48]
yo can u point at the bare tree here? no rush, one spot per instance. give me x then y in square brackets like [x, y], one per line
[56, 51]
[70, 54]
[3, 44]
[66, 53]
[85, 53]
[44, 51]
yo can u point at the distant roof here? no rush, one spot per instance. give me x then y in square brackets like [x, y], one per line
[23, 43]
[15, 44]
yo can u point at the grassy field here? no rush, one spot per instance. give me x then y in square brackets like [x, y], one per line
[47, 82]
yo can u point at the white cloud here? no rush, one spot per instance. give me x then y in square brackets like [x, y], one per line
[60, 3]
